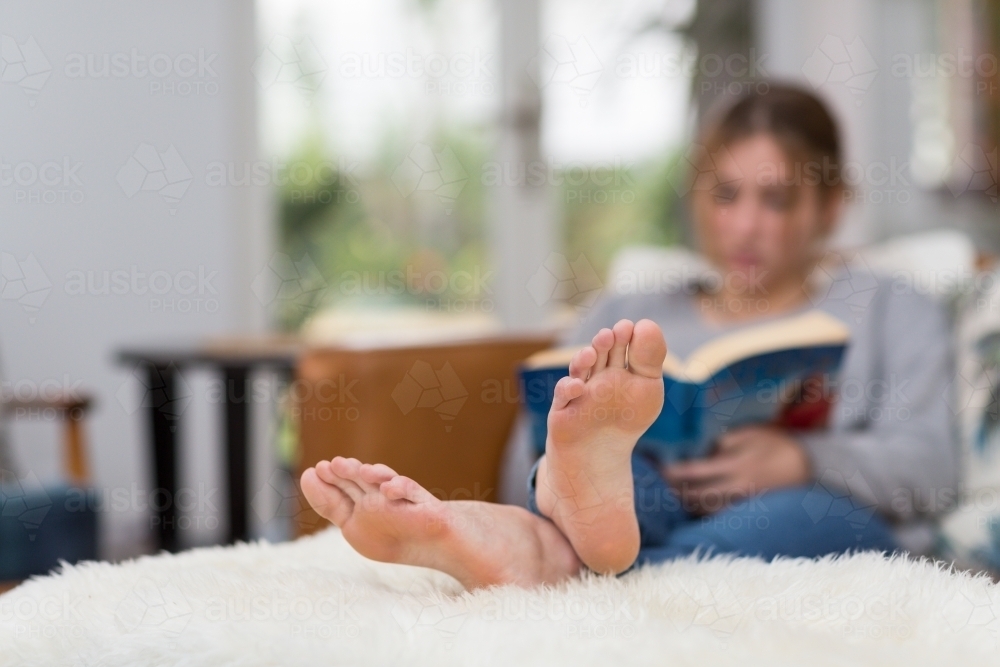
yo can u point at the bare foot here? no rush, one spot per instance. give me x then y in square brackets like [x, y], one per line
[584, 482]
[391, 518]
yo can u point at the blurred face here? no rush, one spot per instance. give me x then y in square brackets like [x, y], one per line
[759, 221]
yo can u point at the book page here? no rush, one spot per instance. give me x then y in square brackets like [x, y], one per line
[808, 330]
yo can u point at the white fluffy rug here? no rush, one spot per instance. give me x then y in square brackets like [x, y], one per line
[316, 602]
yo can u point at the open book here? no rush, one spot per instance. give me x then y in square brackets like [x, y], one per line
[781, 372]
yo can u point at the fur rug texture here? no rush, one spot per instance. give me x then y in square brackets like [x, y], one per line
[317, 602]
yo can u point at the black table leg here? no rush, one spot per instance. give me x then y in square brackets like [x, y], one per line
[163, 413]
[237, 400]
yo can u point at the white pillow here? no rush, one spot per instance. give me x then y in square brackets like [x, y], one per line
[940, 264]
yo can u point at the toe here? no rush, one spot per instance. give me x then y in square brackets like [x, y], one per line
[565, 391]
[623, 334]
[325, 472]
[404, 488]
[362, 478]
[582, 362]
[602, 344]
[329, 501]
[376, 474]
[647, 349]
[345, 467]
[346, 471]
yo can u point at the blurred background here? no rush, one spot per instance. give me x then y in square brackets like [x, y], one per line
[331, 171]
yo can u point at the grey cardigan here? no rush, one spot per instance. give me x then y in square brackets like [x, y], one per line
[892, 444]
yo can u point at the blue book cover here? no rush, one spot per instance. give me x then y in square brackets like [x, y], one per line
[782, 373]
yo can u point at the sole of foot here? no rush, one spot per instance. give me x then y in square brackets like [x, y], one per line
[584, 484]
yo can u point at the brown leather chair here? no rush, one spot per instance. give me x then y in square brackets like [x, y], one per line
[440, 414]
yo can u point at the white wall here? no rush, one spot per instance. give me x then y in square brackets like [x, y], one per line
[89, 222]
[876, 111]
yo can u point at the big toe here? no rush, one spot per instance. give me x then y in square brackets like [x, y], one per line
[647, 349]
[329, 502]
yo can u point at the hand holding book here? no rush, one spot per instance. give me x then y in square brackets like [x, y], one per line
[746, 461]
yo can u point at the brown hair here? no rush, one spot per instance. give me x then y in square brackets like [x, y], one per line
[801, 124]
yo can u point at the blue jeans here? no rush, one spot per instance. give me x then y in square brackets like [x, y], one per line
[798, 521]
